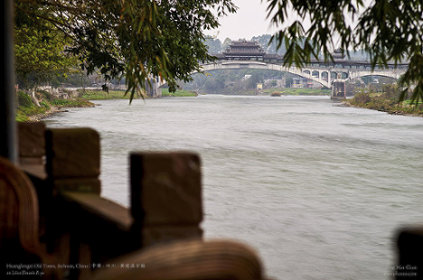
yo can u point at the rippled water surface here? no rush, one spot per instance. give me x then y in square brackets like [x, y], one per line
[316, 188]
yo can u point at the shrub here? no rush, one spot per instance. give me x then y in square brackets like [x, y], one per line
[361, 98]
[24, 99]
[46, 95]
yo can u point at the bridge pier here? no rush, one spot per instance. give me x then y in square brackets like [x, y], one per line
[153, 89]
[339, 91]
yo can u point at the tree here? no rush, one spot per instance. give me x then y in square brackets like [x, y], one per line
[269, 45]
[255, 78]
[215, 82]
[214, 46]
[288, 82]
[135, 39]
[39, 56]
[388, 30]
[226, 43]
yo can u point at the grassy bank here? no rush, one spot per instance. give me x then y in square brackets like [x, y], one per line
[282, 91]
[102, 95]
[386, 101]
[299, 91]
[120, 94]
[178, 93]
[27, 110]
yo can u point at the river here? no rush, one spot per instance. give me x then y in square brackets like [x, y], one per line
[318, 189]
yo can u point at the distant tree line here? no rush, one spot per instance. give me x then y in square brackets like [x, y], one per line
[215, 46]
[234, 81]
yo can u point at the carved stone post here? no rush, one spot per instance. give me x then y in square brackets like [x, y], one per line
[31, 143]
[166, 195]
[73, 166]
[73, 159]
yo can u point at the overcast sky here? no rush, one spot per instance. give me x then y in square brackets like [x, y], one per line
[250, 20]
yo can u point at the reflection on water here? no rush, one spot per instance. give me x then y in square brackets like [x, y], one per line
[317, 188]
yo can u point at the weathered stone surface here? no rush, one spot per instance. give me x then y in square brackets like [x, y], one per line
[91, 185]
[25, 161]
[157, 234]
[166, 188]
[31, 139]
[73, 153]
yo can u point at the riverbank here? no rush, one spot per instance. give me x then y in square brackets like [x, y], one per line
[299, 91]
[103, 95]
[178, 93]
[386, 101]
[28, 110]
[120, 94]
[282, 91]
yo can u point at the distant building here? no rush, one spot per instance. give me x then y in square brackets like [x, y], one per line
[300, 82]
[297, 83]
[338, 54]
[244, 50]
[246, 77]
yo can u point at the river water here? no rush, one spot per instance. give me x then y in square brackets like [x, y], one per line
[318, 189]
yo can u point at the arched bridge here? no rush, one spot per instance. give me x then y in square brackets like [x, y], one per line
[323, 73]
[249, 54]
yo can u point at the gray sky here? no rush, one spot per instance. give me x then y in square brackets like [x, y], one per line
[250, 20]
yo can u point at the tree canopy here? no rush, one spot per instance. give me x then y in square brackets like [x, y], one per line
[214, 45]
[39, 54]
[268, 45]
[135, 39]
[388, 30]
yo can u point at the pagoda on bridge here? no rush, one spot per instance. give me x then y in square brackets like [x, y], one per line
[244, 50]
[338, 54]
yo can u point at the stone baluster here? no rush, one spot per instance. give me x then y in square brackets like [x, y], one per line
[73, 159]
[166, 195]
